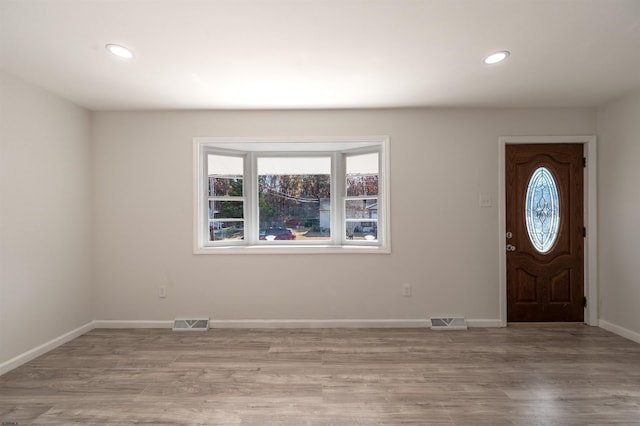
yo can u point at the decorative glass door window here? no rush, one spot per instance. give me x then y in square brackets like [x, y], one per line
[542, 210]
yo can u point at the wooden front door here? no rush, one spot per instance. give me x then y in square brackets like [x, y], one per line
[545, 232]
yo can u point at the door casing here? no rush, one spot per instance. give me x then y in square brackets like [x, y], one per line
[590, 220]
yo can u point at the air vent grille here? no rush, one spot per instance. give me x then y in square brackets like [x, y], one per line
[451, 323]
[191, 324]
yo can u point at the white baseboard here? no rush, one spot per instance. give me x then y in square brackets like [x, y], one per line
[333, 323]
[341, 323]
[620, 331]
[23, 358]
[485, 323]
[337, 323]
[132, 324]
[271, 324]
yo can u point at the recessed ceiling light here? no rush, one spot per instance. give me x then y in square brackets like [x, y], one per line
[496, 57]
[120, 51]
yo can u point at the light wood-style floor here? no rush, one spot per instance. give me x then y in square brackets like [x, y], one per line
[559, 375]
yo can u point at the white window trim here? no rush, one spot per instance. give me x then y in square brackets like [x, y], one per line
[293, 146]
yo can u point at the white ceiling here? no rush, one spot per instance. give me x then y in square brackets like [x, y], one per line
[229, 54]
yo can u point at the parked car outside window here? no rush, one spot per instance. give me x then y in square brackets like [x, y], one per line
[277, 234]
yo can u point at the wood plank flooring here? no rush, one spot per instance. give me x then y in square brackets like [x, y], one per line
[560, 375]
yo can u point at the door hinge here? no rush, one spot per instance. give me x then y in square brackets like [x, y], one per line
[584, 301]
[584, 232]
[584, 161]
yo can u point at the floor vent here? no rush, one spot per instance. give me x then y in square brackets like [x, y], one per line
[191, 324]
[458, 323]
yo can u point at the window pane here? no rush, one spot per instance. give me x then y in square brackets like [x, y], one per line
[220, 230]
[224, 187]
[225, 165]
[362, 174]
[362, 230]
[294, 165]
[365, 164]
[361, 209]
[359, 185]
[294, 193]
[226, 209]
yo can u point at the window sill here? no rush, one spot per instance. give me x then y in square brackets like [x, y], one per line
[293, 249]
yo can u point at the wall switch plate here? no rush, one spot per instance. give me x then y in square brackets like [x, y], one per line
[406, 290]
[162, 292]
[485, 200]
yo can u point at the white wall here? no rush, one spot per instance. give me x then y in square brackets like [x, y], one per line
[45, 287]
[619, 213]
[443, 243]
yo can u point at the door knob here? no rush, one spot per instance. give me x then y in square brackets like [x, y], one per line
[511, 247]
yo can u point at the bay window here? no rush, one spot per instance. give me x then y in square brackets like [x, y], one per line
[298, 195]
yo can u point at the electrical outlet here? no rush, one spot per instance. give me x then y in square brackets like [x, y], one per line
[406, 290]
[162, 291]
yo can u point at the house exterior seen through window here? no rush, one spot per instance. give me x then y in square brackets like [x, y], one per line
[294, 195]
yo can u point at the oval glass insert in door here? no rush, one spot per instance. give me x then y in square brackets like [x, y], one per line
[542, 209]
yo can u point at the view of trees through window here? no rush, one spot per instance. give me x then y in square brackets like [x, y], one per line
[361, 202]
[294, 198]
[225, 195]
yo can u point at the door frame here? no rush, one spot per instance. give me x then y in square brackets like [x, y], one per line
[590, 220]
